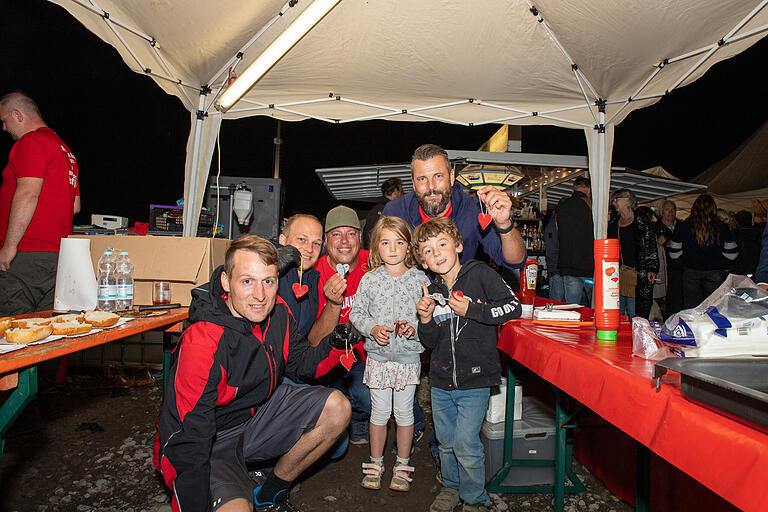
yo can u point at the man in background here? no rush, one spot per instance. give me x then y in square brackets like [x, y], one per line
[39, 195]
[575, 235]
[666, 228]
[390, 189]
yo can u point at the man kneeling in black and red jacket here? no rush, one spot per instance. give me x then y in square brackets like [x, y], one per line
[226, 406]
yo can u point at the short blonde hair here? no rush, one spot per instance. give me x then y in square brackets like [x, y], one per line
[266, 251]
[399, 227]
[431, 229]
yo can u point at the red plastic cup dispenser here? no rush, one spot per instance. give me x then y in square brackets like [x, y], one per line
[606, 288]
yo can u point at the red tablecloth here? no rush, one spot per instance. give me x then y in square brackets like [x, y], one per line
[729, 458]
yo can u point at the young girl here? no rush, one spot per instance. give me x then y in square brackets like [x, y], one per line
[385, 311]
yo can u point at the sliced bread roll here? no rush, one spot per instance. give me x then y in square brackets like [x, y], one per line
[5, 324]
[101, 318]
[70, 328]
[26, 323]
[28, 335]
[69, 317]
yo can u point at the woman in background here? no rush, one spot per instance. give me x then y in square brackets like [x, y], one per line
[637, 248]
[705, 248]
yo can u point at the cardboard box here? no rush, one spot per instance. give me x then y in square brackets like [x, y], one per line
[185, 262]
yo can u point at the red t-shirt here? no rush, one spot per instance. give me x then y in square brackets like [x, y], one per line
[42, 154]
[353, 281]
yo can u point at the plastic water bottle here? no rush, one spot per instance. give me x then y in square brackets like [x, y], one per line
[124, 279]
[107, 282]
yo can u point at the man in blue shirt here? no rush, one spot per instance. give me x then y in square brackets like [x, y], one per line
[305, 233]
[436, 194]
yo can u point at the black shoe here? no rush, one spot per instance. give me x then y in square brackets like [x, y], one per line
[417, 435]
[280, 506]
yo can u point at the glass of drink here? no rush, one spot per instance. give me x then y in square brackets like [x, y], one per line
[161, 293]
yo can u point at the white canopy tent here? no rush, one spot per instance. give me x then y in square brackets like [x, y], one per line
[583, 64]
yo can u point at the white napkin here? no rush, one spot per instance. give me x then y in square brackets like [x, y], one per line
[75, 279]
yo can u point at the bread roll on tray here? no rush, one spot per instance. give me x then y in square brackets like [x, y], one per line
[70, 328]
[29, 335]
[69, 317]
[26, 323]
[101, 318]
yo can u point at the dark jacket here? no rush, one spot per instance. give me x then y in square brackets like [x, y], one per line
[761, 273]
[223, 370]
[464, 353]
[371, 219]
[551, 245]
[687, 251]
[748, 240]
[304, 309]
[465, 210]
[575, 235]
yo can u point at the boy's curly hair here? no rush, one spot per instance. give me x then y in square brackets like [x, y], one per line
[431, 229]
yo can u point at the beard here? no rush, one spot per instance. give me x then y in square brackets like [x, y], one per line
[434, 209]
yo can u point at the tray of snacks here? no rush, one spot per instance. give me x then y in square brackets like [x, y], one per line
[16, 333]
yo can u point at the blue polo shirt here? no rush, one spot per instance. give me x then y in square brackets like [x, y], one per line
[464, 215]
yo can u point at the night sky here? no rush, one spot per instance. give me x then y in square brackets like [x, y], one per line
[130, 137]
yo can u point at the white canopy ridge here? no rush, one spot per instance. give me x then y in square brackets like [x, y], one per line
[584, 64]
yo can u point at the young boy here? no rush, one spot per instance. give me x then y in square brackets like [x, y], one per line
[461, 331]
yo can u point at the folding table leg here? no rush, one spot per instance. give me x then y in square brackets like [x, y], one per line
[643, 492]
[16, 402]
[560, 437]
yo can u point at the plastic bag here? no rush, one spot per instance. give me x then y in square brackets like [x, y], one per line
[646, 343]
[733, 320]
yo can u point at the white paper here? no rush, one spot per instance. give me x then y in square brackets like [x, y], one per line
[75, 278]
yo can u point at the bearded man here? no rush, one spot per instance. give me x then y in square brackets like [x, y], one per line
[436, 194]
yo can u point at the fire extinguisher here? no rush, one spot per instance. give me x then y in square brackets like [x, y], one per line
[528, 276]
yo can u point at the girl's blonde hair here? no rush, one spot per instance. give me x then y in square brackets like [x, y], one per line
[397, 226]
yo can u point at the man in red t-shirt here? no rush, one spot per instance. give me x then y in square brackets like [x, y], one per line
[341, 270]
[38, 197]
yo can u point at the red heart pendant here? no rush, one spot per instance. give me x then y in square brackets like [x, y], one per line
[397, 328]
[484, 219]
[347, 360]
[457, 294]
[299, 289]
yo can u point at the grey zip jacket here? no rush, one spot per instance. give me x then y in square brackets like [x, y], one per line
[381, 299]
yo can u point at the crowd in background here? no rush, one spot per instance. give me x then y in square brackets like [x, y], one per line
[667, 264]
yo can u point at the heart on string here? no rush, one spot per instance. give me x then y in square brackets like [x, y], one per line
[342, 269]
[457, 294]
[484, 219]
[347, 360]
[299, 289]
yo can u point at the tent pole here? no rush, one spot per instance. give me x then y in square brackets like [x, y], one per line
[191, 217]
[278, 141]
[601, 229]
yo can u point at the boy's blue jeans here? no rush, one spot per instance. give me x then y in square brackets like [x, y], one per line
[458, 416]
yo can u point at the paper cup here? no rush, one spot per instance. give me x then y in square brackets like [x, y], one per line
[75, 279]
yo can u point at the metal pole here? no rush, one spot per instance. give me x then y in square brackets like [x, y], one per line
[278, 141]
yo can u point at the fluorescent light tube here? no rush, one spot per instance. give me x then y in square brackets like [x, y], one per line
[275, 51]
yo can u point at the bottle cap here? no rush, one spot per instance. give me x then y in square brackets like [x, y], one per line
[606, 335]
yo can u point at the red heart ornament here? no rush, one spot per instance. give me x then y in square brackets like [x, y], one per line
[347, 360]
[484, 219]
[299, 289]
[457, 294]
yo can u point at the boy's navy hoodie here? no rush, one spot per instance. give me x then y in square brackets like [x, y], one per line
[464, 353]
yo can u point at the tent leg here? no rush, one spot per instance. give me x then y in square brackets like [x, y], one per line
[190, 192]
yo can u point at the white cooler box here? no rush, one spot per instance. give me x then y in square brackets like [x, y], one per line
[534, 439]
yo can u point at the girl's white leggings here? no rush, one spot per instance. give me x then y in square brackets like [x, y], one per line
[382, 405]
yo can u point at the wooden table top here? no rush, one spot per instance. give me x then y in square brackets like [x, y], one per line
[35, 354]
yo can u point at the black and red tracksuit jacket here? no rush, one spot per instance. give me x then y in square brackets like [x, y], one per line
[223, 369]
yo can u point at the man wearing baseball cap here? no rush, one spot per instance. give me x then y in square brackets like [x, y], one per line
[341, 270]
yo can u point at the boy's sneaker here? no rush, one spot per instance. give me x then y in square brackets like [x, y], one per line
[446, 500]
[359, 433]
[417, 435]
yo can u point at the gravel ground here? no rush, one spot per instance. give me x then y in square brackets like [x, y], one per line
[98, 457]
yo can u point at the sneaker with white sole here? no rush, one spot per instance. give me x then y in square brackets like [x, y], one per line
[358, 433]
[372, 478]
[401, 477]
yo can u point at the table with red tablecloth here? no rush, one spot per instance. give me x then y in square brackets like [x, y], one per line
[724, 455]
